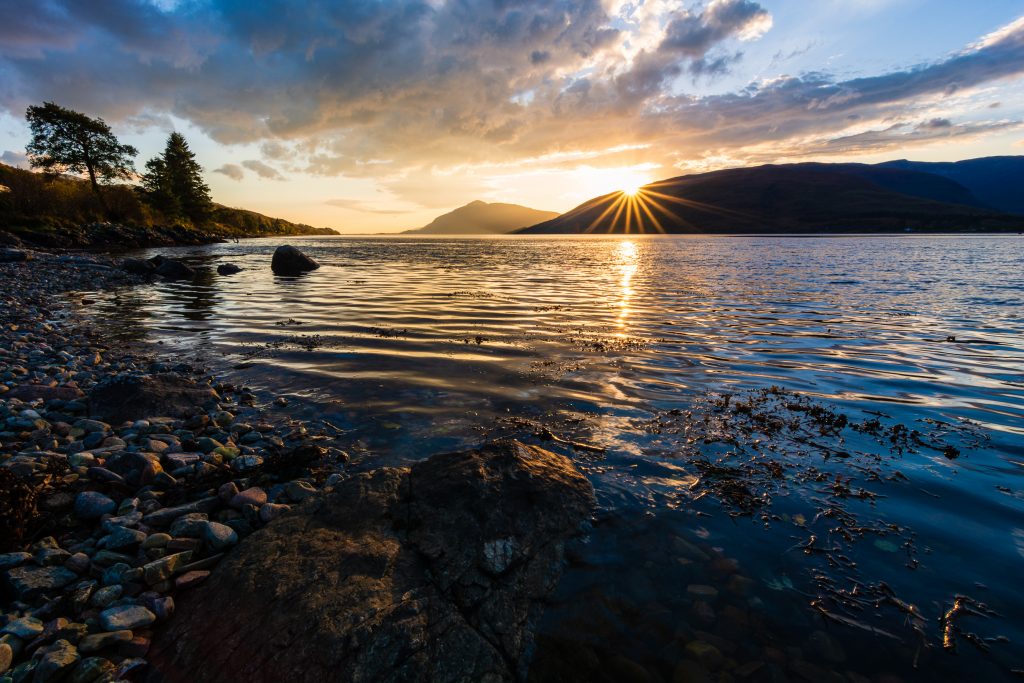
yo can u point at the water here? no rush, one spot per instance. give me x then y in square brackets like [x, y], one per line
[417, 345]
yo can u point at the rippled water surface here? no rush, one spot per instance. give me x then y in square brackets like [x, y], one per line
[655, 349]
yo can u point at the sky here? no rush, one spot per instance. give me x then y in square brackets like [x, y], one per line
[379, 115]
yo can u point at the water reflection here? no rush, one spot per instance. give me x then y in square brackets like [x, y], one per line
[419, 345]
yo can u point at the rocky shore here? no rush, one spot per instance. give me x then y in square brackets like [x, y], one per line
[126, 479]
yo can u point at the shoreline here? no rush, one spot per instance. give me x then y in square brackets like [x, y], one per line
[124, 478]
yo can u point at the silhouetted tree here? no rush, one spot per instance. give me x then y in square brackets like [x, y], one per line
[173, 182]
[64, 140]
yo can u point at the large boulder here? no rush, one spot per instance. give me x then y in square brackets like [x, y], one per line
[430, 573]
[136, 397]
[288, 260]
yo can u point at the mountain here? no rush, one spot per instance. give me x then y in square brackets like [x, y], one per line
[808, 197]
[997, 181]
[481, 218]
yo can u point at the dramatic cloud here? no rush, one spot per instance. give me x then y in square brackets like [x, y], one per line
[261, 169]
[408, 92]
[233, 171]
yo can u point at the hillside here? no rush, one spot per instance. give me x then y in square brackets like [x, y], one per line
[62, 212]
[997, 181]
[481, 218]
[800, 198]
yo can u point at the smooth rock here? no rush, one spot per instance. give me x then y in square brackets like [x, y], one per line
[93, 505]
[100, 641]
[90, 669]
[126, 618]
[28, 582]
[219, 536]
[288, 260]
[251, 496]
[56, 663]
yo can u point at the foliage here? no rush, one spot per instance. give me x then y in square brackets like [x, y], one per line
[67, 141]
[173, 183]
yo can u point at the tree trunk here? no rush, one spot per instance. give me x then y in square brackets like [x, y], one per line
[96, 191]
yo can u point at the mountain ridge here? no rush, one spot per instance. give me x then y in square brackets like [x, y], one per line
[479, 217]
[782, 198]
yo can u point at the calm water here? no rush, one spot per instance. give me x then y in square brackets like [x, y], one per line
[416, 345]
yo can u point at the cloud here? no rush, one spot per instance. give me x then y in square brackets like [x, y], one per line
[363, 207]
[233, 171]
[262, 170]
[417, 94]
[16, 159]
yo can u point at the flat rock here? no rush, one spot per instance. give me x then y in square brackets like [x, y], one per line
[430, 573]
[28, 582]
[126, 618]
[133, 397]
[93, 505]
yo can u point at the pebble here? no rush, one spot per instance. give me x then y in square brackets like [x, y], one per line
[126, 618]
[56, 662]
[219, 536]
[6, 657]
[93, 505]
[251, 496]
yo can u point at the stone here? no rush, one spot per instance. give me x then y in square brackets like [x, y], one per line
[138, 266]
[705, 653]
[298, 491]
[165, 567]
[251, 496]
[272, 511]
[702, 592]
[78, 563]
[404, 588]
[106, 595]
[165, 516]
[90, 669]
[56, 663]
[29, 582]
[172, 269]
[219, 536]
[25, 627]
[100, 641]
[44, 392]
[8, 560]
[288, 260]
[93, 505]
[228, 269]
[158, 540]
[6, 657]
[132, 397]
[126, 618]
[123, 537]
[190, 525]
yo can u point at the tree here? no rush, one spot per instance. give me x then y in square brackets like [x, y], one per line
[173, 182]
[64, 140]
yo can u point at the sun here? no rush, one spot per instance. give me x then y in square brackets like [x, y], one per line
[631, 188]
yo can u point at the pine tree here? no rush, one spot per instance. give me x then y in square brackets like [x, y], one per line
[174, 184]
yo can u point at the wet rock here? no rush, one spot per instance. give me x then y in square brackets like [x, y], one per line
[58, 661]
[126, 618]
[288, 260]
[25, 627]
[405, 588]
[228, 269]
[172, 269]
[133, 397]
[93, 505]
[28, 582]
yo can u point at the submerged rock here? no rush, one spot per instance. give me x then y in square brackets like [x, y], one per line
[288, 260]
[137, 397]
[172, 269]
[228, 269]
[429, 573]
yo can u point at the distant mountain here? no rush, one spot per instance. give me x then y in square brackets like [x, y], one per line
[997, 181]
[478, 218]
[799, 198]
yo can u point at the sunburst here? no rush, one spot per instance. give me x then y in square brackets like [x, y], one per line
[642, 209]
